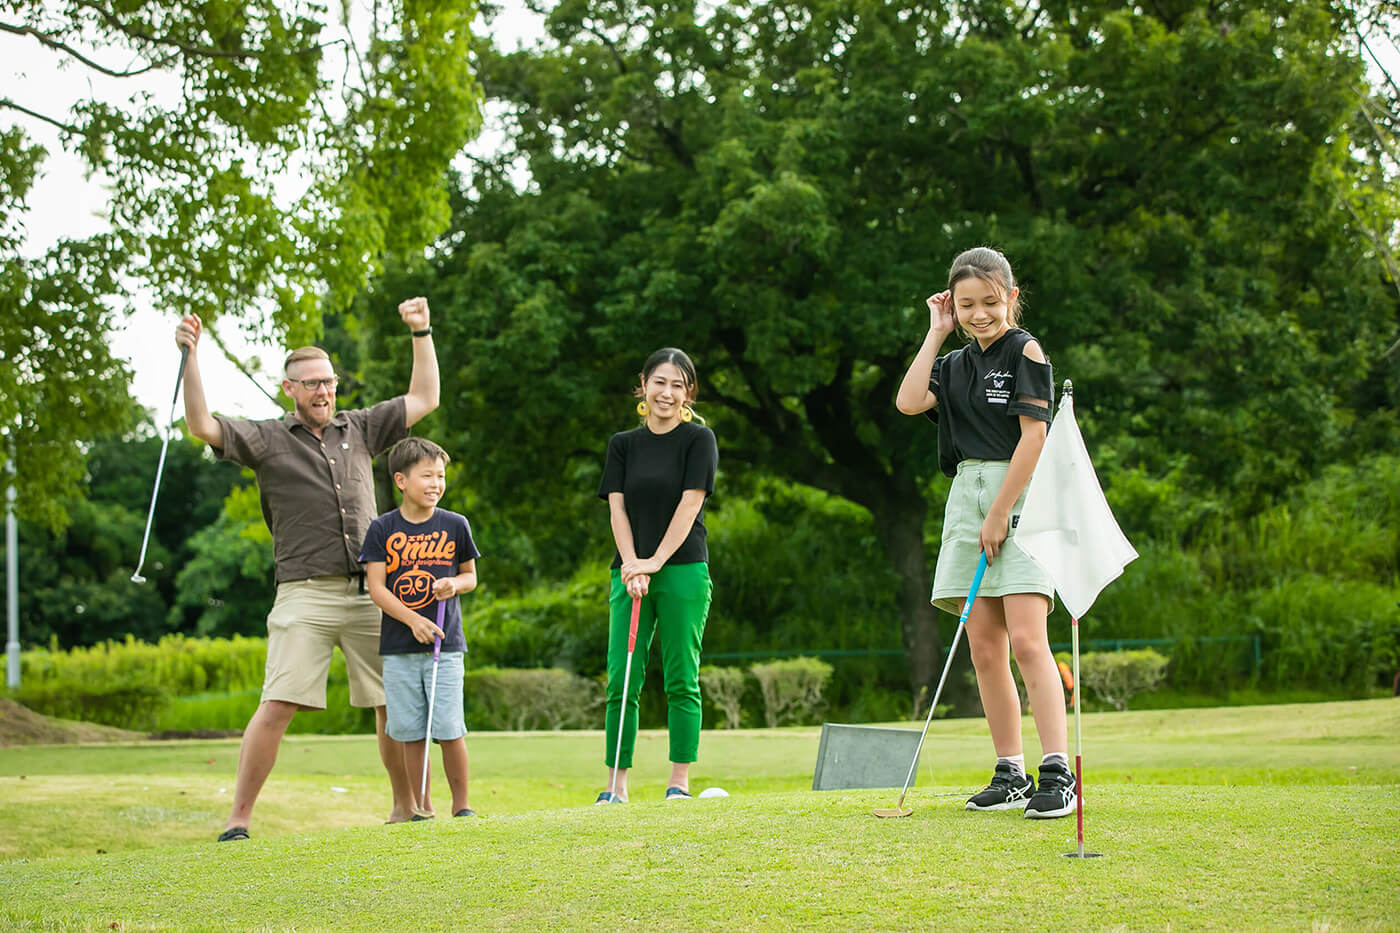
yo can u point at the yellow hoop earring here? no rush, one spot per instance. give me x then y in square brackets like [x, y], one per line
[686, 413]
[642, 408]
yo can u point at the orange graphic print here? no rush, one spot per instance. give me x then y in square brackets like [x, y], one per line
[414, 588]
[405, 559]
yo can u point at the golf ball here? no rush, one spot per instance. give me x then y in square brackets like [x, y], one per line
[714, 792]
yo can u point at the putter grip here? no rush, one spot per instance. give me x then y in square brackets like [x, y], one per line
[632, 632]
[437, 639]
[976, 585]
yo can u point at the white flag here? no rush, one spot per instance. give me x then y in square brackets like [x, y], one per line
[1066, 525]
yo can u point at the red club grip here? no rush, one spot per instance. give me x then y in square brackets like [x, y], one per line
[636, 615]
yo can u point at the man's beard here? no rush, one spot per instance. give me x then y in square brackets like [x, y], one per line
[308, 415]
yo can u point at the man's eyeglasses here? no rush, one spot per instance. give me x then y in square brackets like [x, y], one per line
[311, 385]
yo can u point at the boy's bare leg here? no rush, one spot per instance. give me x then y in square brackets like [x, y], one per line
[454, 762]
[392, 755]
[256, 756]
[413, 753]
[680, 775]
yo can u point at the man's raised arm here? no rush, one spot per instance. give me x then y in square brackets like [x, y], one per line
[423, 383]
[200, 422]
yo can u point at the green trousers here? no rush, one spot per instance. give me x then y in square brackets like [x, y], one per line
[675, 608]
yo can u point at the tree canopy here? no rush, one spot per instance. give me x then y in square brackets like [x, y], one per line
[262, 165]
[775, 187]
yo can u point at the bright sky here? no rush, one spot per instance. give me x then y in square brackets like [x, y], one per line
[65, 203]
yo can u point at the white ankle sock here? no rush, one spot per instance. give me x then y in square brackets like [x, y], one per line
[1060, 758]
[1017, 763]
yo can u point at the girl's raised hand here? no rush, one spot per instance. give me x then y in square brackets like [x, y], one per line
[940, 313]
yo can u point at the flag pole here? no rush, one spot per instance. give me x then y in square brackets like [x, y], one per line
[1078, 730]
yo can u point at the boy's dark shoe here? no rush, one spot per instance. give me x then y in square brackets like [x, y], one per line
[1008, 791]
[237, 832]
[1056, 794]
[465, 811]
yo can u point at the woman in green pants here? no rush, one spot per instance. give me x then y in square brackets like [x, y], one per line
[655, 480]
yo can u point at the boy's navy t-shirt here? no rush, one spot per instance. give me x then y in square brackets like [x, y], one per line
[651, 471]
[979, 404]
[415, 556]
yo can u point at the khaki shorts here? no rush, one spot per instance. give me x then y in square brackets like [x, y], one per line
[1011, 571]
[310, 618]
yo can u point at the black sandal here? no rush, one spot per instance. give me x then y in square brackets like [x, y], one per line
[237, 832]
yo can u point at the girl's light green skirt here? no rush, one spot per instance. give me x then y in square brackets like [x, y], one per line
[1011, 571]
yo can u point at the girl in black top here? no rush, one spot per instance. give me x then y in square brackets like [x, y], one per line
[655, 480]
[991, 400]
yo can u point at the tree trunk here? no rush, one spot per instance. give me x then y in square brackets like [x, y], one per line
[899, 521]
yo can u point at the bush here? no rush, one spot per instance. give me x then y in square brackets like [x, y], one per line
[123, 703]
[725, 688]
[179, 665]
[1321, 632]
[1118, 676]
[543, 698]
[792, 689]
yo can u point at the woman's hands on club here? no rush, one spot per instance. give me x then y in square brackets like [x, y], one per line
[637, 587]
[638, 566]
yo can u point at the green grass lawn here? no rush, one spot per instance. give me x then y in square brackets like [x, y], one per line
[1282, 817]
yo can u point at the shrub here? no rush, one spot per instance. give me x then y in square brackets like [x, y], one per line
[1333, 633]
[179, 665]
[725, 688]
[792, 689]
[1118, 676]
[125, 703]
[543, 698]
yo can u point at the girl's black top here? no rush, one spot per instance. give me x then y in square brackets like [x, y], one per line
[651, 471]
[979, 399]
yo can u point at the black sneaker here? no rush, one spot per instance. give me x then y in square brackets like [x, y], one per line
[1056, 794]
[1008, 791]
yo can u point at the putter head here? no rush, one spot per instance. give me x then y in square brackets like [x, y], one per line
[892, 813]
[137, 578]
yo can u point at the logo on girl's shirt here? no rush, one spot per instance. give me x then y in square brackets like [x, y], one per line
[997, 392]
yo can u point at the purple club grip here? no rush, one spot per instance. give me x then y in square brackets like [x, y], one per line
[437, 639]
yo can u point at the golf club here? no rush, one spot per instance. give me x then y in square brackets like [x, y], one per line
[160, 467]
[432, 694]
[899, 810]
[626, 677]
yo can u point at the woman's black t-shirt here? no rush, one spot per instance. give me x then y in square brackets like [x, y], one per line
[979, 404]
[651, 471]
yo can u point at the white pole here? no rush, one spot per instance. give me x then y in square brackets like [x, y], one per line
[11, 584]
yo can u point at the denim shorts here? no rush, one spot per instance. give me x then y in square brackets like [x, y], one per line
[1011, 571]
[407, 678]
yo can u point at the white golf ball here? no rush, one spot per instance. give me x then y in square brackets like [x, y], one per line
[714, 792]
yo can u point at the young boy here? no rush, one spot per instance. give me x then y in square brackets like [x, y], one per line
[414, 557]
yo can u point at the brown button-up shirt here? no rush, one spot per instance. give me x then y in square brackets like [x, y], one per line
[317, 494]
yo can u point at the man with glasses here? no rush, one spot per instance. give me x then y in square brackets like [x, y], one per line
[316, 486]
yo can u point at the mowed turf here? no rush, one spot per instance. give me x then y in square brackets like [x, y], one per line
[1281, 817]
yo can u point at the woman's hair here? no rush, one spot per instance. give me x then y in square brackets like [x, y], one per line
[681, 361]
[990, 266]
